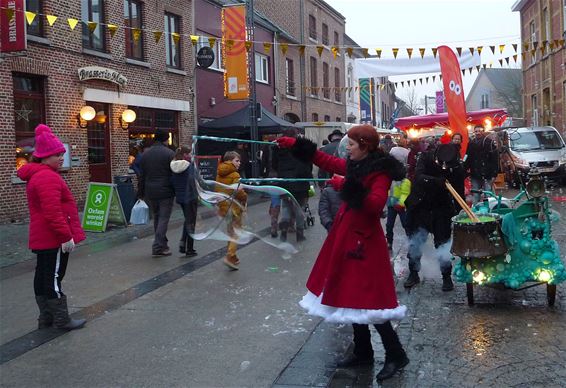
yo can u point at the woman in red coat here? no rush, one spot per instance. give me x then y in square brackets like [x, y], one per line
[352, 280]
[54, 228]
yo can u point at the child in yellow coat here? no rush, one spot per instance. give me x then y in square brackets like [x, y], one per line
[228, 174]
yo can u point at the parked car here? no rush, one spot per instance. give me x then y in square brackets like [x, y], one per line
[529, 147]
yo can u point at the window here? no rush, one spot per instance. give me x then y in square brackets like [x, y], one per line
[533, 34]
[314, 76]
[534, 110]
[172, 44]
[326, 118]
[338, 119]
[142, 131]
[350, 83]
[133, 20]
[35, 6]
[484, 101]
[93, 11]
[325, 80]
[312, 27]
[29, 111]
[315, 117]
[336, 39]
[261, 68]
[546, 21]
[203, 41]
[337, 91]
[325, 34]
[289, 77]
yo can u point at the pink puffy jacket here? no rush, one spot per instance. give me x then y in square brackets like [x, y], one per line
[54, 218]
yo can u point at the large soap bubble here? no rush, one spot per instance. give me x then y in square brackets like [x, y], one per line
[341, 150]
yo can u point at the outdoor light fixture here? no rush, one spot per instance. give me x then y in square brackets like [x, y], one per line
[544, 276]
[86, 114]
[128, 117]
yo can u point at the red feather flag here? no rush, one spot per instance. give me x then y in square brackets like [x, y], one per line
[454, 94]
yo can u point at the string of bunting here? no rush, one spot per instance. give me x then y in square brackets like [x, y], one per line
[545, 46]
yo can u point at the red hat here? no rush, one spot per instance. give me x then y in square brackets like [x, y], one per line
[46, 143]
[365, 135]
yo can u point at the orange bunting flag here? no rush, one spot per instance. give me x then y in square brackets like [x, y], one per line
[320, 49]
[284, 47]
[514, 46]
[523, 55]
[302, 49]
[72, 23]
[543, 50]
[434, 51]
[472, 50]
[158, 34]
[112, 28]
[395, 52]
[176, 37]
[526, 46]
[492, 49]
[51, 19]
[422, 51]
[266, 47]
[480, 48]
[501, 48]
[248, 44]
[30, 17]
[136, 33]
[551, 45]
[409, 52]
[459, 49]
[194, 39]
[350, 51]
[365, 51]
[92, 26]
[378, 52]
[561, 41]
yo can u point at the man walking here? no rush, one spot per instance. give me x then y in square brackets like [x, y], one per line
[482, 161]
[156, 188]
[331, 149]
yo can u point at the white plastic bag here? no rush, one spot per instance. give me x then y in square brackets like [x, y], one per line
[140, 213]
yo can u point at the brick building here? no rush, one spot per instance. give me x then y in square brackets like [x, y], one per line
[118, 65]
[543, 31]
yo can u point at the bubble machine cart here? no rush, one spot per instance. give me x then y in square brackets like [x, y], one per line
[510, 246]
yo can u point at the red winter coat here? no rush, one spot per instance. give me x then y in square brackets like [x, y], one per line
[353, 268]
[54, 218]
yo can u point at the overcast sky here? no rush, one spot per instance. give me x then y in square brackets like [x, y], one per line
[430, 23]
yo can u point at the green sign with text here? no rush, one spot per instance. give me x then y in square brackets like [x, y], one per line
[102, 206]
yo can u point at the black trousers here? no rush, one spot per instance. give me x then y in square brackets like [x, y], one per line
[389, 338]
[49, 272]
[190, 213]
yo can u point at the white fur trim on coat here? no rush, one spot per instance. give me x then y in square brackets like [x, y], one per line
[313, 305]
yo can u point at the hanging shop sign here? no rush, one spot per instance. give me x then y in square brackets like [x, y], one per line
[12, 26]
[205, 57]
[102, 206]
[96, 72]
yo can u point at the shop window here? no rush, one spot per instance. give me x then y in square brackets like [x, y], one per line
[325, 80]
[172, 45]
[203, 41]
[35, 28]
[261, 68]
[133, 24]
[93, 11]
[29, 111]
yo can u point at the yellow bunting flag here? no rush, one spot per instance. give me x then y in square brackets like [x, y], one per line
[176, 37]
[157, 36]
[514, 46]
[248, 44]
[480, 48]
[365, 51]
[561, 41]
[543, 50]
[320, 49]
[501, 48]
[211, 41]
[526, 46]
[422, 51]
[136, 34]
[266, 47]
[551, 45]
[51, 19]
[335, 51]
[378, 52]
[395, 52]
[112, 28]
[472, 50]
[229, 43]
[92, 26]
[434, 50]
[302, 49]
[72, 23]
[9, 13]
[284, 47]
[515, 58]
[194, 40]
[523, 55]
[350, 51]
[382, 86]
[459, 49]
[30, 17]
[409, 52]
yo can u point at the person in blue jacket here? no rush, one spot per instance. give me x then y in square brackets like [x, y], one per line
[183, 180]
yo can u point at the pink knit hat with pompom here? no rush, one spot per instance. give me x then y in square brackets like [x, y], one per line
[46, 143]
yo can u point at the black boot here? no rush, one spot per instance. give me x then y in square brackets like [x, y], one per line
[412, 280]
[301, 235]
[61, 319]
[45, 319]
[363, 352]
[447, 284]
[391, 366]
[395, 357]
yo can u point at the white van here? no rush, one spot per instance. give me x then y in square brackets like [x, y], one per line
[540, 147]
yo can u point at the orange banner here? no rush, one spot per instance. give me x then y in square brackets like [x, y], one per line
[236, 86]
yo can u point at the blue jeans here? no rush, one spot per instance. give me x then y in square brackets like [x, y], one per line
[390, 224]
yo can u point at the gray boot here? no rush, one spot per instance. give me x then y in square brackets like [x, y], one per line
[45, 319]
[61, 318]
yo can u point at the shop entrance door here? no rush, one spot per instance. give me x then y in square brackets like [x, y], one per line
[98, 134]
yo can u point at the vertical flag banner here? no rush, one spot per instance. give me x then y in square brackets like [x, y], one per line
[365, 101]
[454, 94]
[236, 56]
[439, 101]
[12, 26]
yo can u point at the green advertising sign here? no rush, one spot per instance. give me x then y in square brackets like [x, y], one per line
[102, 206]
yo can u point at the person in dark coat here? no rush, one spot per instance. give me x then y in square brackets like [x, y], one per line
[156, 188]
[331, 149]
[430, 208]
[328, 205]
[352, 279]
[288, 166]
[183, 180]
[482, 161]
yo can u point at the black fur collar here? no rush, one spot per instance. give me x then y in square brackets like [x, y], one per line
[354, 192]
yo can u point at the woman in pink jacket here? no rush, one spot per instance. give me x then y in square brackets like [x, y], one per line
[54, 228]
